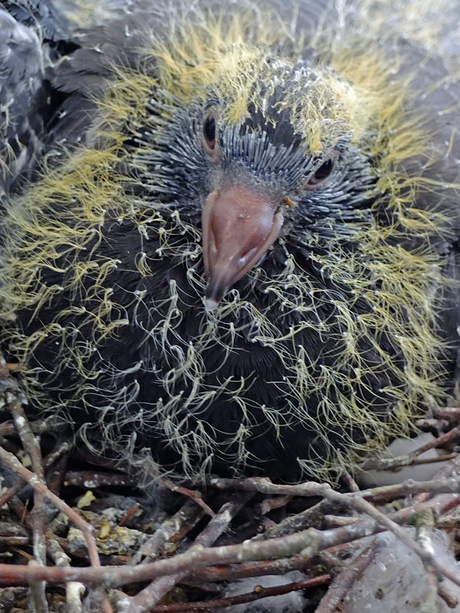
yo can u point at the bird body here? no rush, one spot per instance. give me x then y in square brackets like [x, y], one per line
[240, 256]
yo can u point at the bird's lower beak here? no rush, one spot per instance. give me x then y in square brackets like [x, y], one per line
[239, 226]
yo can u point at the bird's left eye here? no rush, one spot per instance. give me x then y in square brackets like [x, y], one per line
[210, 144]
[320, 175]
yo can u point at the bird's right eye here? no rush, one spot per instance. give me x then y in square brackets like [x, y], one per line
[209, 132]
[210, 143]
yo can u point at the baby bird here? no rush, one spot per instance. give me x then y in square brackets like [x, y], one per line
[240, 256]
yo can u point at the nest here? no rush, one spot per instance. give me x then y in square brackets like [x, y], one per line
[79, 537]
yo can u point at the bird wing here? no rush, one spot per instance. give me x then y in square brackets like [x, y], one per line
[38, 15]
[30, 31]
[21, 74]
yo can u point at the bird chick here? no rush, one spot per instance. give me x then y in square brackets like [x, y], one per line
[241, 255]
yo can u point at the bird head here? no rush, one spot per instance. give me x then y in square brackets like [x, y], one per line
[263, 174]
[264, 148]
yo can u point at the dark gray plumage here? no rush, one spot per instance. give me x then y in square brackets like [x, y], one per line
[27, 29]
[20, 80]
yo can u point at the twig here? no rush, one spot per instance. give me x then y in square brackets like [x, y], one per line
[251, 569]
[346, 578]
[173, 528]
[156, 590]
[9, 460]
[411, 458]
[426, 555]
[38, 514]
[92, 479]
[450, 600]
[308, 543]
[310, 489]
[193, 494]
[259, 593]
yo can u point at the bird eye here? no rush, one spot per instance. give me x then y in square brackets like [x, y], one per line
[320, 174]
[209, 132]
[210, 143]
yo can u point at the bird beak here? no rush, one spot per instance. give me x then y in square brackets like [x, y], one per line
[239, 227]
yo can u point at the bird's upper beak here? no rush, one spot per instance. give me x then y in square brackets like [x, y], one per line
[239, 226]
